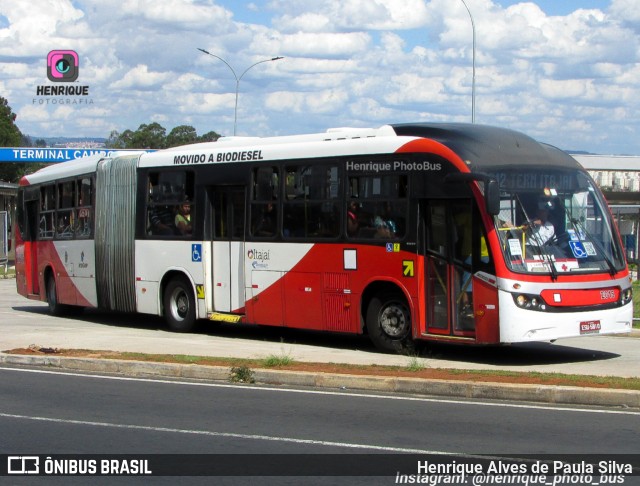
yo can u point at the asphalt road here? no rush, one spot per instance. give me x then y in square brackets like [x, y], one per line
[24, 322]
[49, 412]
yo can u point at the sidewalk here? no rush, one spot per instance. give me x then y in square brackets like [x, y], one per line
[24, 322]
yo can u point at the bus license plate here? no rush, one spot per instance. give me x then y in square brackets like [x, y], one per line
[590, 327]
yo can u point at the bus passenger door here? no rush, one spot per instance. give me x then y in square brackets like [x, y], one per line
[448, 277]
[228, 248]
[31, 248]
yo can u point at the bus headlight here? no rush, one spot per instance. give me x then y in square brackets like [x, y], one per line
[626, 296]
[528, 301]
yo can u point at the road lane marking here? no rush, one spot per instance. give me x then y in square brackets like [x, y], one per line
[559, 408]
[232, 435]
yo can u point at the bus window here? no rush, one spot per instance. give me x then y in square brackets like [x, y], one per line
[85, 192]
[65, 216]
[47, 198]
[47, 211]
[377, 207]
[168, 191]
[66, 194]
[228, 212]
[310, 208]
[437, 234]
[85, 208]
[264, 200]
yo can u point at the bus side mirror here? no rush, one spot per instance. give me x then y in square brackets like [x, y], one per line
[492, 197]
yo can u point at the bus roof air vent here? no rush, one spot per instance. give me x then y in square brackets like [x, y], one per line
[350, 133]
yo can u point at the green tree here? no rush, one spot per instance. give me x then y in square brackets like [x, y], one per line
[10, 136]
[114, 140]
[150, 136]
[181, 135]
[209, 137]
[122, 140]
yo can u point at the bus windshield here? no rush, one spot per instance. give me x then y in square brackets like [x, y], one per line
[553, 222]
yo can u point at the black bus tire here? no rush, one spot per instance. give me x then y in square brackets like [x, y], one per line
[388, 323]
[55, 307]
[179, 305]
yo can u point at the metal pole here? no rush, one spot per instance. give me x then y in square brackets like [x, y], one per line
[238, 87]
[238, 78]
[473, 76]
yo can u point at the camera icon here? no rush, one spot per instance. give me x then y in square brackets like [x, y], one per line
[62, 66]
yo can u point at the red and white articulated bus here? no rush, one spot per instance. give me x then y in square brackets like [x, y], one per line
[449, 232]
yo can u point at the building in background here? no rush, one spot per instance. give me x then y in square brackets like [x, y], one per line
[618, 177]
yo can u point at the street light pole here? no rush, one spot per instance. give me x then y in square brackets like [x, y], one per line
[473, 76]
[238, 78]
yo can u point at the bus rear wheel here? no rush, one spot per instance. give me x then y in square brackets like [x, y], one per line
[179, 305]
[55, 307]
[388, 323]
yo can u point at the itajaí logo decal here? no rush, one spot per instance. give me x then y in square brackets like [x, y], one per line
[62, 66]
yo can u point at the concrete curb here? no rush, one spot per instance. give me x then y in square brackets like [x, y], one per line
[567, 395]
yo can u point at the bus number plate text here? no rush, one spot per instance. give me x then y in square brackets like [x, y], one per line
[590, 327]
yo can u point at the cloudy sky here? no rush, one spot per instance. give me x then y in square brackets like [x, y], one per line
[566, 72]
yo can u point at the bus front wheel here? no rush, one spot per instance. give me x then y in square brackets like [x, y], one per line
[388, 323]
[179, 305]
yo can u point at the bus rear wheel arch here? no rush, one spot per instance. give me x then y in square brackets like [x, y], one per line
[388, 321]
[179, 304]
[51, 293]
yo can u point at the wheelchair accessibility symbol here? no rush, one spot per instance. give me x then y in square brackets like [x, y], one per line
[578, 249]
[196, 252]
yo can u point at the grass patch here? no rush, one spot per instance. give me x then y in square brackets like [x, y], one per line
[10, 273]
[416, 364]
[613, 382]
[277, 361]
[241, 374]
[241, 370]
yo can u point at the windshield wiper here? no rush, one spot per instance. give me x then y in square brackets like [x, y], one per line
[548, 258]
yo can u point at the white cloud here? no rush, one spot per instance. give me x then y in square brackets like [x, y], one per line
[33, 28]
[183, 14]
[626, 11]
[562, 89]
[319, 45]
[140, 78]
[319, 102]
[343, 15]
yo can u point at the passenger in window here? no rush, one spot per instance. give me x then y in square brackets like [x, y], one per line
[84, 222]
[183, 218]
[162, 220]
[383, 229]
[542, 230]
[352, 218]
[161, 216]
[64, 225]
[384, 224]
[266, 222]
